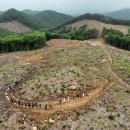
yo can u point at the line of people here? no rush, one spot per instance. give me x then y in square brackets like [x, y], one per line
[43, 105]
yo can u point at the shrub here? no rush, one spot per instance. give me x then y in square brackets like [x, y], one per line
[111, 117]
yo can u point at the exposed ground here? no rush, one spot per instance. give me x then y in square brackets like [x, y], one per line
[15, 26]
[51, 71]
[99, 25]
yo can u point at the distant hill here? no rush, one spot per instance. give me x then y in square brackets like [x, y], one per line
[121, 14]
[52, 19]
[1, 12]
[15, 15]
[97, 17]
[34, 19]
[91, 24]
[30, 12]
[96, 21]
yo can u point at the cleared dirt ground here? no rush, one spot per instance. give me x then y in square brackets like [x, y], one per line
[52, 70]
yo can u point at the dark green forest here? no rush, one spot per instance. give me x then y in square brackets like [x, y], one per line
[82, 33]
[52, 19]
[20, 42]
[116, 38]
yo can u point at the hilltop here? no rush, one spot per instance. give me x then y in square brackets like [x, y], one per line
[120, 14]
[30, 12]
[52, 19]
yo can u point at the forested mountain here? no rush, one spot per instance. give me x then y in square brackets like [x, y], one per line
[30, 12]
[52, 19]
[27, 20]
[121, 14]
[35, 19]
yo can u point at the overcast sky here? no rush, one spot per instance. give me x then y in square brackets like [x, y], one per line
[66, 6]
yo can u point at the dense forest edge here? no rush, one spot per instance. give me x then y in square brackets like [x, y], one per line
[22, 42]
[117, 38]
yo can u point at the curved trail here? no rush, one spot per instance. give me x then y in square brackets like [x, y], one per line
[108, 68]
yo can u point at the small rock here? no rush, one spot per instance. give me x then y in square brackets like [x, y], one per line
[58, 117]
[51, 121]
[34, 128]
[72, 87]
[45, 121]
[104, 60]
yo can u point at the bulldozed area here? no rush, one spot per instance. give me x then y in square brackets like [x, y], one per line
[68, 84]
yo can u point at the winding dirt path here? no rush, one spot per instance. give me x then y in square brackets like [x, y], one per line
[108, 64]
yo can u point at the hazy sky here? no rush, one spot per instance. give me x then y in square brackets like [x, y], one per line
[66, 6]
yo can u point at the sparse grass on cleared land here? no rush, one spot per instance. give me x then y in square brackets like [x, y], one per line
[121, 63]
[110, 112]
[67, 64]
[75, 66]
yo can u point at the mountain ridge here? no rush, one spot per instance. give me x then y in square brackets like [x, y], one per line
[120, 14]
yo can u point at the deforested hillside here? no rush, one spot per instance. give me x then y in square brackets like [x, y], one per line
[21, 17]
[52, 19]
[100, 18]
[96, 21]
[98, 25]
[15, 26]
[66, 85]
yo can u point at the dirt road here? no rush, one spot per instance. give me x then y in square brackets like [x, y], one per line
[108, 66]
